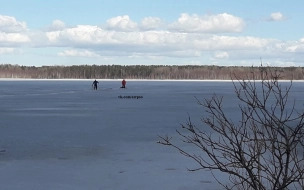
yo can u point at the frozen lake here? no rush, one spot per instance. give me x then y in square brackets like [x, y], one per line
[64, 135]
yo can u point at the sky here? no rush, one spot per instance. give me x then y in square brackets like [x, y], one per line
[152, 32]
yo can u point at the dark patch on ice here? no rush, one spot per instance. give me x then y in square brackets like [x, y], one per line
[2, 152]
[170, 169]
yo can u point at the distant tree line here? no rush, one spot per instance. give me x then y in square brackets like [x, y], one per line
[203, 72]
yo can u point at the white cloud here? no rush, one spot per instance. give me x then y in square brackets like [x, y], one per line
[10, 24]
[189, 37]
[181, 53]
[11, 39]
[208, 24]
[291, 46]
[121, 23]
[78, 53]
[284, 64]
[12, 32]
[7, 50]
[151, 23]
[195, 62]
[227, 43]
[158, 43]
[276, 16]
[56, 25]
[221, 55]
[95, 36]
[168, 45]
[79, 35]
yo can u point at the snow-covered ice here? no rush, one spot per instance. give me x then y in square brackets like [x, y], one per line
[64, 135]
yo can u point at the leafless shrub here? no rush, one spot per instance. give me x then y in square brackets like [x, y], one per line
[262, 150]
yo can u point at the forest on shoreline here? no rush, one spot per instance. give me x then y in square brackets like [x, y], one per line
[165, 72]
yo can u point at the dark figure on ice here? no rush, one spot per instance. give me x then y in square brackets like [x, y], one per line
[123, 83]
[95, 82]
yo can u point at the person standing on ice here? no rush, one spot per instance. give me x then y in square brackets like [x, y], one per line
[123, 83]
[95, 82]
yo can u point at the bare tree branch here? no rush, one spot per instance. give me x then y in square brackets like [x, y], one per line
[261, 151]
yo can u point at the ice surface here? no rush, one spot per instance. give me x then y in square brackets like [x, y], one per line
[64, 135]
